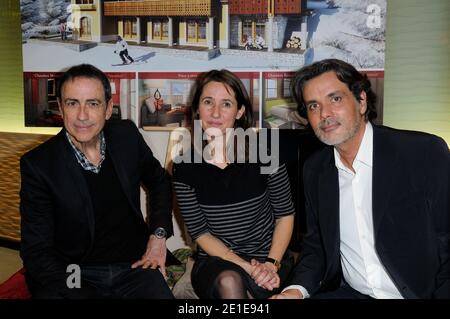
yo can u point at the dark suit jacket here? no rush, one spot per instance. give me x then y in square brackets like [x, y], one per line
[57, 217]
[410, 215]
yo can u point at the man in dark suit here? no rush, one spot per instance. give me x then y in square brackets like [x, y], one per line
[83, 233]
[376, 198]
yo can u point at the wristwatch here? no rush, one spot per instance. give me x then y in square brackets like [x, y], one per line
[273, 261]
[160, 233]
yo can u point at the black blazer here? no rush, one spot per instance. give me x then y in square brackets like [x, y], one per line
[410, 215]
[57, 219]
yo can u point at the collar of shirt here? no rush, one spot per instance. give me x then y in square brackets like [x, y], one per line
[364, 155]
[83, 160]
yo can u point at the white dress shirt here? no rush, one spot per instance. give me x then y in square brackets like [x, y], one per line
[361, 266]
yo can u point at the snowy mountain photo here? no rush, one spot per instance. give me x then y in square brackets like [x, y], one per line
[343, 29]
[41, 18]
[351, 30]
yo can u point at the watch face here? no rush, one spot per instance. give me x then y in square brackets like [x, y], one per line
[160, 232]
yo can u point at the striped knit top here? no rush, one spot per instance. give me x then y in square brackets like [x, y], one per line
[237, 204]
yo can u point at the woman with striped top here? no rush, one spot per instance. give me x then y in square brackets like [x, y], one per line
[240, 219]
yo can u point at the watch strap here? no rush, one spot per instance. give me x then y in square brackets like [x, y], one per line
[273, 261]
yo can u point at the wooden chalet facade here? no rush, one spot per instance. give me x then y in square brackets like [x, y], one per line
[204, 23]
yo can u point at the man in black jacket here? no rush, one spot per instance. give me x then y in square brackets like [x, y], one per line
[80, 202]
[377, 198]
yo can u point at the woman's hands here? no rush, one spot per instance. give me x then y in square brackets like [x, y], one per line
[265, 275]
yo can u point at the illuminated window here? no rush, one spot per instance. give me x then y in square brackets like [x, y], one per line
[165, 29]
[272, 89]
[260, 28]
[278, 88]
[130, 28]
[85, 27]
[157, 30]
[253, 28]
[160, 29]
[196, 31]
[287, 87]
[246, 30]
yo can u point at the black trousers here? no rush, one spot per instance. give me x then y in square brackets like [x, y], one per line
[117, 281]
[343, 292]
[124, 54]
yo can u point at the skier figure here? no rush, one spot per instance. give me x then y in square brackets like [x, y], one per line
[122, 49]
[248, 43]
[259, 42]
[62, 30]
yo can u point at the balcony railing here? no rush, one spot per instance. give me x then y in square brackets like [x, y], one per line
[159, 8]
[87, 7]
[265, 7]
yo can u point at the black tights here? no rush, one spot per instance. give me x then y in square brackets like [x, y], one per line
[215, 278]
[229, 284]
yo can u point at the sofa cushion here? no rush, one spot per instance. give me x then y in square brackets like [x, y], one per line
[15, 287]
[183, 288]
[176, 271]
